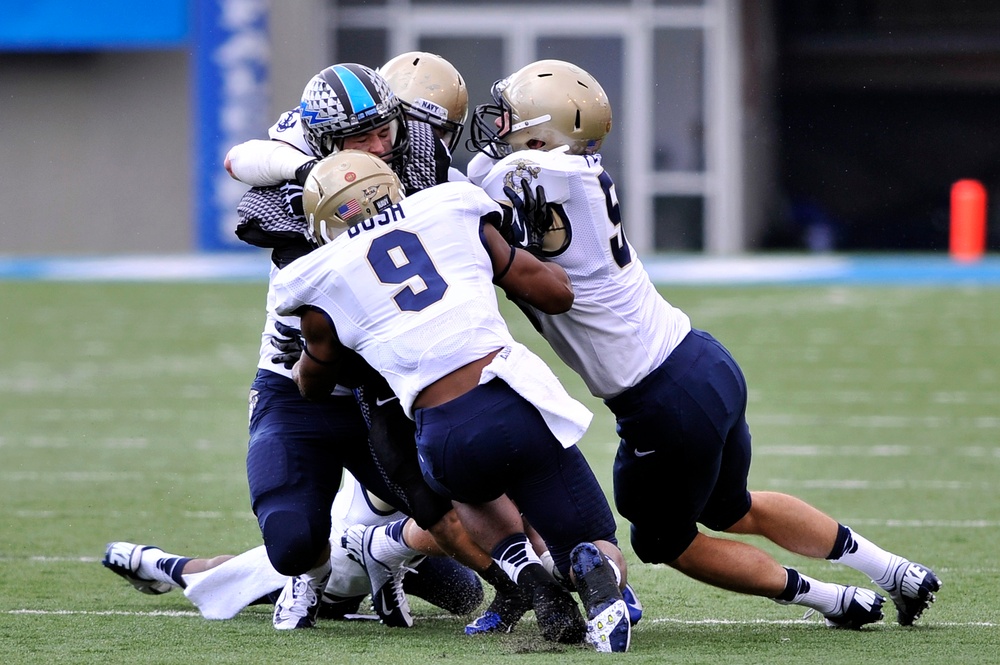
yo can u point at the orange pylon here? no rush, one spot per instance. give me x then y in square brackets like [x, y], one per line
[968, 220]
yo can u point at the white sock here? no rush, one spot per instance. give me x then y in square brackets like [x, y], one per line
[318, 575]
[824, 597]
[158, 565]
[388, 545]
[870, 559]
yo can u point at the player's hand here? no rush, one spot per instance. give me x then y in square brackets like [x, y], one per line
[303, 171]
[289, 345]
[533, 215]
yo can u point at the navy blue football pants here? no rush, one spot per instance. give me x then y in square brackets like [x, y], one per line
[491, 441]
[295, 459]
[684, 453]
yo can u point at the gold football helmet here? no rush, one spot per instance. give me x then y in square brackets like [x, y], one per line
[432, 90]
[545, 105]
[344, 189]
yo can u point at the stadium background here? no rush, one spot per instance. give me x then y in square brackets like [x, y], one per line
[749, 124]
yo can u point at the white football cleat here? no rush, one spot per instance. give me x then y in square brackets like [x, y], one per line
[124, 559]
[858, 607]
[299, 602]
[913, 591]
[385, 576]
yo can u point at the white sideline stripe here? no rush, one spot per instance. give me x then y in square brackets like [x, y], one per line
[910, 524]
[187, 514]
[89, 560]
[796, 622]
[151, 613]
[685, 622]
[876, 422]
[928, 524]
[858, 484]
[883, 450]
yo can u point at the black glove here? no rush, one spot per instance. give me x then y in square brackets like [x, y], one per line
[289, 344]
[302, 172]
[533, 215]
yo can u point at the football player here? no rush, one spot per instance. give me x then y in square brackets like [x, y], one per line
[395, 281]
[678, 396]
[298, 446]
[433, 91]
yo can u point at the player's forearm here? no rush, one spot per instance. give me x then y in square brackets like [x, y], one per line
[315, 381]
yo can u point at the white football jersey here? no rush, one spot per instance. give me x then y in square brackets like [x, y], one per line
[410, 289]
[620, 328]
[270, 332]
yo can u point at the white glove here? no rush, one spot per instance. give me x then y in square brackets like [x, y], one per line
[261, 163]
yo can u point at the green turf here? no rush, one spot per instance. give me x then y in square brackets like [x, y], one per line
[123, 416]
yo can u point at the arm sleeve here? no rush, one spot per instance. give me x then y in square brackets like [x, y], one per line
[261, 163]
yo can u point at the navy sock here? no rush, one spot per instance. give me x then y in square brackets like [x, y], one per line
[792, 586]
[843, 544]
[174, 567]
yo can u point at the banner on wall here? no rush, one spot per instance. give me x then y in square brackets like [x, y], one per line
[231, 66]
[71, 25]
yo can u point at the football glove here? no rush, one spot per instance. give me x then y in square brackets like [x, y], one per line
[302, 172]
[289, 345]
[533, 215]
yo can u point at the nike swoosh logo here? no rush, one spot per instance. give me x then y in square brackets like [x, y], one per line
[383, 402]
[643, 453]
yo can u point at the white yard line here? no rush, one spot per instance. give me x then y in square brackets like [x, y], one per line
[647, 621]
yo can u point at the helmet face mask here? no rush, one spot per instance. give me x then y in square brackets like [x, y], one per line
[344, 189]
[490, 122]
[348, 100]
[546, 105]
[431, 90]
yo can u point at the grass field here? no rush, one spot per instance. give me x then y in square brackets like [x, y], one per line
[123, 417]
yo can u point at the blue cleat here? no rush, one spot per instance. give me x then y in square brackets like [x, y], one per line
[609, 628]
[633, 604]
[502, 614]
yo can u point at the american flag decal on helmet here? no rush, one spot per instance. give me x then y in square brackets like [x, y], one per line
[349, 209]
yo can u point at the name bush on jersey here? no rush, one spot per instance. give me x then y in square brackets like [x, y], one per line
[391, 214]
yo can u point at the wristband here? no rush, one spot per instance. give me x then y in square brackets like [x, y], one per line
[325, 363]
[506, 269]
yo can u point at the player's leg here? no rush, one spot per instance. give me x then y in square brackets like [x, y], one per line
[564, 502]
[684, 458]
[293, 468]
[435, 527]
[479, 428]
[799, 527]
[445, 583]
